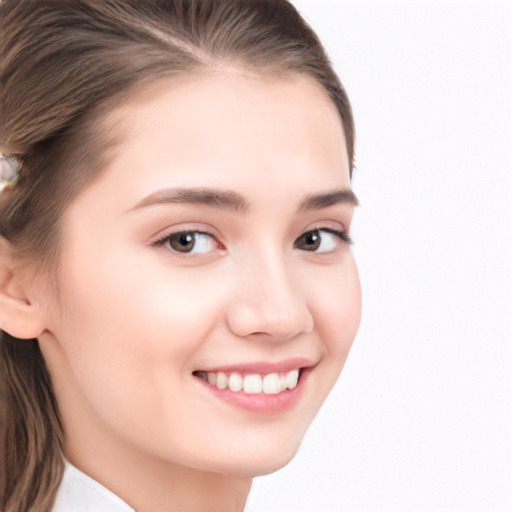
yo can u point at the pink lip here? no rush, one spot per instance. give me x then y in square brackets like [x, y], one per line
[264, 366]
[260, 402]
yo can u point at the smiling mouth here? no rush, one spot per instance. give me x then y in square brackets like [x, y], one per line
[252, 383]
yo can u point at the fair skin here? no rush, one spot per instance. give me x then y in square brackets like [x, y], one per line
[136, 321]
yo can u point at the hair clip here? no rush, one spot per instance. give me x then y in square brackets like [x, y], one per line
[9, 171]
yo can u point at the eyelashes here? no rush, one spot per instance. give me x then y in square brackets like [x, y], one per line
[321, 240]
[190, 242]
[196, 242]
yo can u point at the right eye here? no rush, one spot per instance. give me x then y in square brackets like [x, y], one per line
[189, 242]
[322, 240]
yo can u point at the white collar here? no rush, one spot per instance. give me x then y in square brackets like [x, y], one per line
[80, 493]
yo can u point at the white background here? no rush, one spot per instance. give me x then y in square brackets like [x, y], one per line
[421, 418]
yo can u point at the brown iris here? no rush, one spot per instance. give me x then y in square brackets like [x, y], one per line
[309, 241]
[182, 242]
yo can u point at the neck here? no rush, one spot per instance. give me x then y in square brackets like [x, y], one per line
[156, 485]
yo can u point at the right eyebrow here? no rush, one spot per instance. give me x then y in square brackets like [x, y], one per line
[219, 198]
[324, 200]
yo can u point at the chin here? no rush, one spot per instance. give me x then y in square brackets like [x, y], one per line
[270, 466]
[252, 463]
[254, 468]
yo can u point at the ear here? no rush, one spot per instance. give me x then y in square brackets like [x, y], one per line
[20, 314]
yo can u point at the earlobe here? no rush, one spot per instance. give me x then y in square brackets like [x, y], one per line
[20, 316]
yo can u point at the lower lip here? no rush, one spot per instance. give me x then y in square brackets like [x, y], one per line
[260, 402]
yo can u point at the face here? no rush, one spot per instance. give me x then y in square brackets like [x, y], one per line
[212, 252]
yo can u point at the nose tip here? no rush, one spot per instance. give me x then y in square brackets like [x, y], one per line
[259, 319]
[271, 308]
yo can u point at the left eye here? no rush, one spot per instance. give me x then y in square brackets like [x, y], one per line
[320, 240]
[190, 242]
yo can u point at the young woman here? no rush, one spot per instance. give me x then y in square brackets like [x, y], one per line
[178, 292]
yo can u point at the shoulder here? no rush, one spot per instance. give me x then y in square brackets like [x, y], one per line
[80, 493]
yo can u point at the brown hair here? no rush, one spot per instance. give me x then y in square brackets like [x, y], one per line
[63, 64]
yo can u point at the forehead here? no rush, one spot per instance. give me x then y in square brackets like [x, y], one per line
[230, 130]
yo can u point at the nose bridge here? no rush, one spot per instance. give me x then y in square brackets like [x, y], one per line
[268, 301]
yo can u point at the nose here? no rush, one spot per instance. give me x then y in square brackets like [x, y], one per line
[268, 303]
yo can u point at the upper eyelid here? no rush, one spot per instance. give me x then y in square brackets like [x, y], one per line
[331, 225]
[213, 233]
[179, 228]
[336, 224]
[342, 233]
[345, 236]
[166, 236]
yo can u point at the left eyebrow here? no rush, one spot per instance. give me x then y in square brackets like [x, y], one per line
[324, 200]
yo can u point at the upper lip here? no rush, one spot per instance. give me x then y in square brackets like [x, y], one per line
[285, 365]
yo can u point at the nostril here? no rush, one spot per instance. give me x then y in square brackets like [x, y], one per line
[272, 311]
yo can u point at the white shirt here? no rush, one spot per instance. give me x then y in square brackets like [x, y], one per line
[80, 493]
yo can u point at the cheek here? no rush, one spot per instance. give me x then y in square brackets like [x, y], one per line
[133, 302]
[129, 362]
[129, 332]
[337, 310]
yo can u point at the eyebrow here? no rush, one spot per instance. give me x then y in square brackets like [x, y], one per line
[231, 200]
[320, 201]
[225, 199]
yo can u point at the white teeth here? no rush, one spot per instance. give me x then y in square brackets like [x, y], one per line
[222, 380]
[252, 383]
[271, 384]
[282, 382]
[236, 382]
[292, 378]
